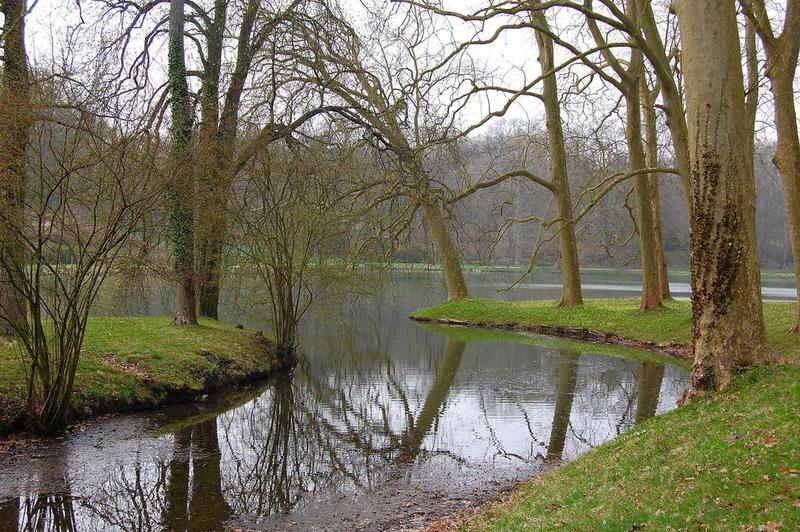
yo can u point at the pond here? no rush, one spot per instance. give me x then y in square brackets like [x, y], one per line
[385, 423]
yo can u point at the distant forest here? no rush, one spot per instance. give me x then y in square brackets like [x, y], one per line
[501, 225]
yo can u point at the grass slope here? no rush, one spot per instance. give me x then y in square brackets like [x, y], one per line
[725, 462]
[130, 363]
[721, 463]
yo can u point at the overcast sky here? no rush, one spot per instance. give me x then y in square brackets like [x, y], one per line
[512, 56]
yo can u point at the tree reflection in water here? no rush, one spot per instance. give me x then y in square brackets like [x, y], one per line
[43, 512]
[565, 392]
[195, 501]
[351, 419]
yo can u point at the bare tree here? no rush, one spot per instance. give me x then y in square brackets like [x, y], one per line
[402, 113]
[90, 186]
[299, 229]
[648, 98]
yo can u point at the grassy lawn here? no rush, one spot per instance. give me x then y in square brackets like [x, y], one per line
[673, 323]
[725, 462]
[133, 362]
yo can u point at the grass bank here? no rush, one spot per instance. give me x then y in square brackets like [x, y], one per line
[617, 318]
[723, 463]
[134, 363]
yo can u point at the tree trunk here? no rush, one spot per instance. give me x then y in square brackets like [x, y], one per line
[448, 254]
[787, 156]
[727, 315]
[212, 191]
[651, 161]
[14, 127]
[215, 231]
[571, 293]
[181, 189]
[651, 286]
[787, 160]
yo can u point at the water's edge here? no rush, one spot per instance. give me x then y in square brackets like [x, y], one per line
[674, 349]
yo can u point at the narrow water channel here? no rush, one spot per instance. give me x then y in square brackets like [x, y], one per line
[385, 424]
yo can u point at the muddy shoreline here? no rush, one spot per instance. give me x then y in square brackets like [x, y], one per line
[676, 350]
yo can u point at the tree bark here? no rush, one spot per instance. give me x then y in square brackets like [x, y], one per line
[181, 190]
[15, 122]
[651, 161]
[215, 230]
[727, 315]
[571, 293]
[448, 254]
[787, 160]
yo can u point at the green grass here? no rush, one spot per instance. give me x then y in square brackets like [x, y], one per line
[673, 323]
[723, 462]
[132, 362]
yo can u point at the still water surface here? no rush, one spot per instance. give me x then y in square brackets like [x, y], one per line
[385, 423]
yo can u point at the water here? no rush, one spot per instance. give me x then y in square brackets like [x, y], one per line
[386, 423]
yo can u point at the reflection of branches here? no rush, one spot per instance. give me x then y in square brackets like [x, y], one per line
[48, 512]
[131, 503]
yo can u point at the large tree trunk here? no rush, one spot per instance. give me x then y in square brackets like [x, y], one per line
[446, 249]
[728, 322]
[210, 194]
[651, 161]
[571, 294]
[215, 233]
[14, 126]
[181, 189]
[651, 286]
